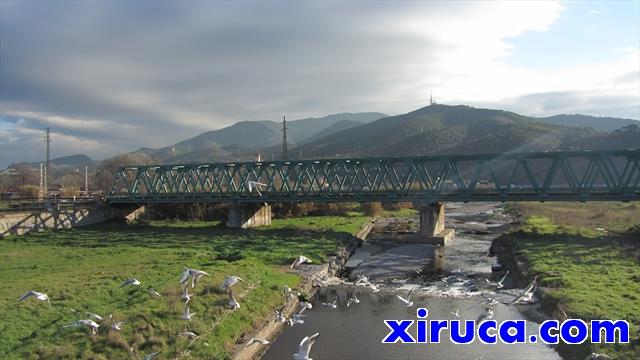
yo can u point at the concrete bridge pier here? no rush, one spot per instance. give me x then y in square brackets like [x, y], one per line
[432, 228]
[244, 216]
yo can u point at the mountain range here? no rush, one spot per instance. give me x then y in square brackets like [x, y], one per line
[434, 129]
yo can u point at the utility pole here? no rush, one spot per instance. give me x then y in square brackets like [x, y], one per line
[284, 138]
[47, 168]
[41, 188]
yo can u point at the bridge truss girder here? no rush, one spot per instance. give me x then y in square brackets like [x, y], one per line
[540, 176]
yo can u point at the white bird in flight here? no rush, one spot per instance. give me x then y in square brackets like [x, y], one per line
[37, 295]
[194, 274]
[255, 185]
[88, 323]
[305, 347]
[457, 313]
[499, 284]
[596, 356]
[407, 301]
[527, 294]
[153, 292]
[332, 305]
[131, 282]
[185, 294]
[186, 315]
[115, 326]
[257, 340]
[300, 260]
[233, 303]
[353, 300]
[280, 315]
[229, 281]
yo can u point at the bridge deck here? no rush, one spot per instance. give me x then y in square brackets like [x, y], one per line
[540, 176]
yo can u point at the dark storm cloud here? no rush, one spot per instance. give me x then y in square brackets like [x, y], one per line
[110, 77]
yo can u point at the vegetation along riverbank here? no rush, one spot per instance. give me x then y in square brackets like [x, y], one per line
[587, 259]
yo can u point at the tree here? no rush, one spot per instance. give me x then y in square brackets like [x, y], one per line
[105, 173]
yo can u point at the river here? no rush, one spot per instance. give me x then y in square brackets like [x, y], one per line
[452, 278]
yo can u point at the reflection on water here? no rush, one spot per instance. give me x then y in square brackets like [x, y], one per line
[356, 332]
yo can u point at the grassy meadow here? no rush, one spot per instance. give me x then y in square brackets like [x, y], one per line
[81, 270]
[589, 273]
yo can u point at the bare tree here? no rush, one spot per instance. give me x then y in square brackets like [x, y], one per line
[105, 173]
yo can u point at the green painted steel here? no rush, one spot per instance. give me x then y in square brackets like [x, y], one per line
[539, 176]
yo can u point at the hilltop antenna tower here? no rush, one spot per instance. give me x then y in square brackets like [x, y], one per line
[284, 138]
[431, 102]
[86, 181]
[47, 166]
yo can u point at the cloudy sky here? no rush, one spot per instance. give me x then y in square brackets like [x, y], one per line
[110, 77]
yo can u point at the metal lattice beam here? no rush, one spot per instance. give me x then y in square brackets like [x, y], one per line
[541, 176]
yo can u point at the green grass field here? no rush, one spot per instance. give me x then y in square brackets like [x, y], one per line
[82, 269]
[589, 273]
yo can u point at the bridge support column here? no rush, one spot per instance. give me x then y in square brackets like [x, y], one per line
[432, 225]
[248, 215]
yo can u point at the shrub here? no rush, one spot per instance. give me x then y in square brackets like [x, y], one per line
[372, 208]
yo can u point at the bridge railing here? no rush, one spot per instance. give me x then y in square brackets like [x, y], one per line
[540, 176]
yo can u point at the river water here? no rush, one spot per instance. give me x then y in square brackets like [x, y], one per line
[453, 279]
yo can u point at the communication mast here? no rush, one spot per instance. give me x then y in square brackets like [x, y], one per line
[284, 138]
[86, 181]
[47, 166]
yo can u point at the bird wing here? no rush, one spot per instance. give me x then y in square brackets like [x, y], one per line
[504, 277]
[409, 294]
[250, 342]
[306, 344]
[26, 296]
[296, 262]
[530, 287]
[185, 275]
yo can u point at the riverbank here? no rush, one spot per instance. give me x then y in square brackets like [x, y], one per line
[588, 266]
[81, 271]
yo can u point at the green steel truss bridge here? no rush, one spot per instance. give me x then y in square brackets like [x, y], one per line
[538, 176]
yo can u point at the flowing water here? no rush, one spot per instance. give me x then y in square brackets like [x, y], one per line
[443, 279]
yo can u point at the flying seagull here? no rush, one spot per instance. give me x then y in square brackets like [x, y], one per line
[332, 305]
[233, 303]
[185, 294]
[457, 313]
[115, 326]
[38, 295]
[280, 315]
[186, 315]
[88, 323]
[499, 284]
[131, 282]
[194, 274]
[353, 300]
[229, 281]
[407, 301]
[255, 185]
[305, 347]
[300, 260]
[527, 294]
[257, 340]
